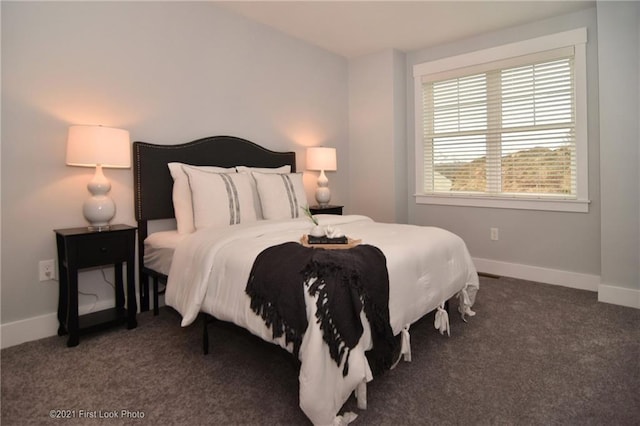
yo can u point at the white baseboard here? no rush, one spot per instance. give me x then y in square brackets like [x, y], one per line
[17, 332]
[619, 296]
[535, 273]
[606, 293]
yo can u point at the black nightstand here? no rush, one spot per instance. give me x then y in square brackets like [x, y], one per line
[80, 248]
[328, 209]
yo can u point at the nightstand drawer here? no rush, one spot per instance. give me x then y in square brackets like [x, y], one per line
[328, 209]
[111, 248]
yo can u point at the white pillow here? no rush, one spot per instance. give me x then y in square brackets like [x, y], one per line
[256, 197]
[281, 169]
[281, 195]
[182, 203]
[220, 199]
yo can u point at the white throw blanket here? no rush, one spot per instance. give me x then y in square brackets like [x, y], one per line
[427, 266]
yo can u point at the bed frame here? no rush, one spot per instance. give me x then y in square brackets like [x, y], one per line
[153, 184]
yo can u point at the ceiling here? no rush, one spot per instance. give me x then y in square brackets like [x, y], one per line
[356, 28]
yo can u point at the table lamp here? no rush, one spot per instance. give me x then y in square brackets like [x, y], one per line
[323, 159]
[98, 146]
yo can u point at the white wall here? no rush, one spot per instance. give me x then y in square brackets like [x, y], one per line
[169, 72]
[619, 56]
[530, 241]
[400, 141]
[377, 136]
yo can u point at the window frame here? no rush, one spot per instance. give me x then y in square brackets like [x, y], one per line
[474, 61]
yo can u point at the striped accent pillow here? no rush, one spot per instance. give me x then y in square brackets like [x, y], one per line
[256, 197]
[220, 199]
[281, 195]
[182, 203]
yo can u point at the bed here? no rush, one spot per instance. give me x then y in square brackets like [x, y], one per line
[208, 260]
[153, 194]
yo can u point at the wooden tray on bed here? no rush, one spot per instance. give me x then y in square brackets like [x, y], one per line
[350, 244]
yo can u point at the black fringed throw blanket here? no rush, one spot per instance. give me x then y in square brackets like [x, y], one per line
[347, 282]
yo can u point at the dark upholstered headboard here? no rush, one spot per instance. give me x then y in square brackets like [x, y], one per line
[153, 183]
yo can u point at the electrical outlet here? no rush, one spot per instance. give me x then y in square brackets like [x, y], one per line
[47, 270]
[494, 234]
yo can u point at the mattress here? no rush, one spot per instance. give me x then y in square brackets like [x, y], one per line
[159, 248]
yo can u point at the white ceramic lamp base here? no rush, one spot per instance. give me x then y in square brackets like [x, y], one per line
[323, 195]
[100, 208]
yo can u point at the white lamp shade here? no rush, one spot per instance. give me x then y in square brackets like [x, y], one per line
[89, 146]
[321, 158]
[97, 146]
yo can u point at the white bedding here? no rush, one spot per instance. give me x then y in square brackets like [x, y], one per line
[159, 248]
[427, 266]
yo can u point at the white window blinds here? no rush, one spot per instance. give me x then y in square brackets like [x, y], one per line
[505, 127]
[502, 129]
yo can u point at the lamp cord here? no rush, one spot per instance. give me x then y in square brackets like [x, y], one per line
[95, 295]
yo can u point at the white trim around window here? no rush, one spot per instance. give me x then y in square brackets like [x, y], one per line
[505, 56]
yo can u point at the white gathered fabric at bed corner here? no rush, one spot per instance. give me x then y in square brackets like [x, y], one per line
[426, 267]
[159, 248]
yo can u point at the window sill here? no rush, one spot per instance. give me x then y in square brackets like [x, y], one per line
[574, 206]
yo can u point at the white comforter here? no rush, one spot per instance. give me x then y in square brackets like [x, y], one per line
[427, 266]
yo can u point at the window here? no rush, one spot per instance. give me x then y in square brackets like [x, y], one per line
[505, 127]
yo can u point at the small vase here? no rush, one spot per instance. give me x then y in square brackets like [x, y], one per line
[317, 231]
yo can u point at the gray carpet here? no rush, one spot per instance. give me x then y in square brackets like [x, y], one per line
[534, 354]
